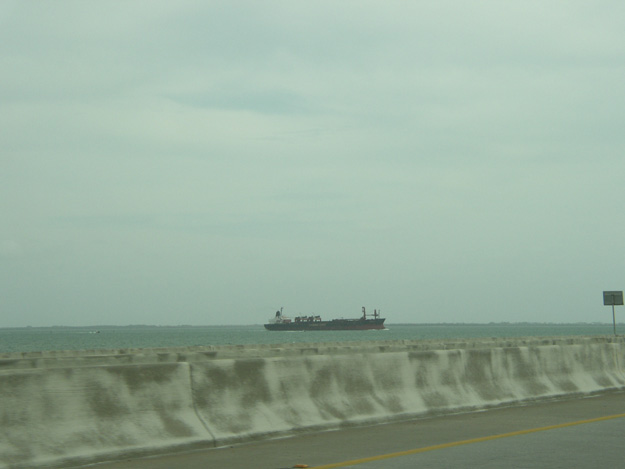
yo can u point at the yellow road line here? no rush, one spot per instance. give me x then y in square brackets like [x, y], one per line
[465, 442]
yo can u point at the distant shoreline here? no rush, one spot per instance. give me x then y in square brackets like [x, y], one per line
[429, 324]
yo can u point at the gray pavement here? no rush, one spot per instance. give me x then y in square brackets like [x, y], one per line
[589, 446]
[522, 441]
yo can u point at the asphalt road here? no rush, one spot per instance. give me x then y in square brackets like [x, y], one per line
[576, 433]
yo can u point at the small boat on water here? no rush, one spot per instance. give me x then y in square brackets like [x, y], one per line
[315, 323]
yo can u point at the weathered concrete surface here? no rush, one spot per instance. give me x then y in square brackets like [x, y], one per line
[594, 445]
[60, 408]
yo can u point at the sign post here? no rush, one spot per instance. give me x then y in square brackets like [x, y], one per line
[612, 298]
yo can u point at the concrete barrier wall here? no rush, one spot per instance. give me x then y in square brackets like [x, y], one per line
[62, 408]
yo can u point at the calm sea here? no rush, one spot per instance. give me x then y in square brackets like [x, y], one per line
[110, 337]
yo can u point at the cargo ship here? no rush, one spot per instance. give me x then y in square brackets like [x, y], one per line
[315, 323]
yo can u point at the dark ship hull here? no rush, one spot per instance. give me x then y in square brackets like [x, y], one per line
[333, 325]
[314, 323]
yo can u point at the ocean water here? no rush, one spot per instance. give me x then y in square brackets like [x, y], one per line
[17, 340]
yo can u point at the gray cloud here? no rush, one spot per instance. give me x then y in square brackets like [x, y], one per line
[441, 161]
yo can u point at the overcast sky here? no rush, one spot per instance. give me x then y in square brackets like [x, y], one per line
[207, 162]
